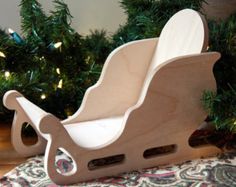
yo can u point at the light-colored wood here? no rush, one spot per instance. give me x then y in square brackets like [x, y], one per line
[184, 34]
[12, 101]
[120, 83]
[85, 135]
[114, 97]
[152, 101]
[170, 120]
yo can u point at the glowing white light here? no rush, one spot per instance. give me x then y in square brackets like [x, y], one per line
[58, 71]
[57, 45]
[41, 58]
[10, 31]
[43, 96]
[2, 54]
[7, 74]
[60, 84]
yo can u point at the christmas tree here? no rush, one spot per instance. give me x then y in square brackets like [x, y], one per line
[221, 105]
[146, 18]
[52, 65]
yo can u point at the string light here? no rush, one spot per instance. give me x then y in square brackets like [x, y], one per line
[10, 31]
[41, 58]
[58, 71]
[52, 46]
[87, 60]
[7, 74]
[57, 45]
[43, 96]
[15, 36]
[2, 55]
[60, 84]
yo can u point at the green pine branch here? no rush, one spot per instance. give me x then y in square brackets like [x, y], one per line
[33, 22]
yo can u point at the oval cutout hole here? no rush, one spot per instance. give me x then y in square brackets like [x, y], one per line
[159, 151]
[202, 136]
[106, 161]
[28, 134]
[64, 163]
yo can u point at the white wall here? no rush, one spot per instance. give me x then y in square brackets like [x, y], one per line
[88, 14]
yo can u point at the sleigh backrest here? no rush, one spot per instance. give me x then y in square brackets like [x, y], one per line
[185, 33]
[129, 68]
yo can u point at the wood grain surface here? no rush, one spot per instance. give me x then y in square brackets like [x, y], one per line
[8, 156]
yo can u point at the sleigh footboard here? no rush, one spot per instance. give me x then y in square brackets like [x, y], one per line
[25, 112]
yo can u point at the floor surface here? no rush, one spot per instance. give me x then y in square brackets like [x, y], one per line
[8, 157]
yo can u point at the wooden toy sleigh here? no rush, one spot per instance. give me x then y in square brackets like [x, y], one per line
[148, 97]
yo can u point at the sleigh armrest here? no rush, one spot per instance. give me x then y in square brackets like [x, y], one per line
[175, 88]
[120, 82]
